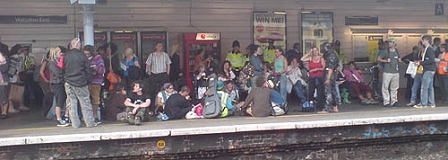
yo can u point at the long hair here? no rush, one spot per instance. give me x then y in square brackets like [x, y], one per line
[52, 53]
[4, 49]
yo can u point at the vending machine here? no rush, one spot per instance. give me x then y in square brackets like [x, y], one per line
[192, 43]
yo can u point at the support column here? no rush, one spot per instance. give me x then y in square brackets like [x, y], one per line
[88, 24]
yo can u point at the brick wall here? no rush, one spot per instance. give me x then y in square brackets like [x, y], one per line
[425, 140]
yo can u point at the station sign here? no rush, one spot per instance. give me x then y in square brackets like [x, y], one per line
[207, 36]
[25, 19]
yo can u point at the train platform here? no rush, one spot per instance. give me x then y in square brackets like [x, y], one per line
[30, 127]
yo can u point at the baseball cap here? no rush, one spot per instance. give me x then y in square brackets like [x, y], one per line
[392, 40]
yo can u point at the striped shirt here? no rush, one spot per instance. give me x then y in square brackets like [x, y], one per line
[158, 63]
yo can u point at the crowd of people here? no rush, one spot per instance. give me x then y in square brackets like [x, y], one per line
[74, 81]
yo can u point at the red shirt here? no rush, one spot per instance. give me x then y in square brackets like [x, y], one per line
[316, 65]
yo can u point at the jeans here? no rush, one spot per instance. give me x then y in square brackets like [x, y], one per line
[313, 84]
[416, 87]
[283, 90]
[82, 94]
[392, 80]
[427, 89]
[298, 87]
[338, 93]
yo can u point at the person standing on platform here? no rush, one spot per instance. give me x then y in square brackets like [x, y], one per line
[411, 57]
[391, 78]
[280, 68]
[4, 80]
[269, 53]
[236, 58]
[97, 65]
[332, 62]
[339, 52]
[77, 73]
[158, 69]
[257, 64]
[57, 86]
[175, 65]
[429, 68]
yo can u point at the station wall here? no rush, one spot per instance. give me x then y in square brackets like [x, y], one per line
[232, 18]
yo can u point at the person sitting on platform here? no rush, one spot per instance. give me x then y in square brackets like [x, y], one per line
[356, 80]
[114, 103]
[136, 103]
[163, 95]
[178, 105]
[226, 102]
[276, 98]
[258, 103]
[232, 91]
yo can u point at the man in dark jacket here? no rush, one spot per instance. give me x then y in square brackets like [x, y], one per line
[177, 106]
[77, 75]
[295, 53]
[429, 69]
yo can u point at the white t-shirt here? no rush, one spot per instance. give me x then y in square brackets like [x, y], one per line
[167, 95]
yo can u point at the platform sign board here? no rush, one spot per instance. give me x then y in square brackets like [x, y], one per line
[270, 26]
[317, 27]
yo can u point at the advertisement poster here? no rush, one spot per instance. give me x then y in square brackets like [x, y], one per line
[123, 41]
[316, 29]
[270, 26]
[100, 38]
[373, 47]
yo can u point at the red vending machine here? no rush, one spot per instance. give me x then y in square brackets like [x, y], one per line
[191, 43]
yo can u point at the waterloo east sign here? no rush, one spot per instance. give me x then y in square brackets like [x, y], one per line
[25, 19]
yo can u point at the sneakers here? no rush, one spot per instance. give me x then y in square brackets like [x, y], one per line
[131, 119]
[410, 104]
[62, 123]
[138, 120]
[365, 101]
[396, 104]
[419, 106]
[373, 101]
[432, 106]
[387, 105]
[97, 121]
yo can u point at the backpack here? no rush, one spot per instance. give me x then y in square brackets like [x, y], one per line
[133, 71]
[12, 71]
[212, 102]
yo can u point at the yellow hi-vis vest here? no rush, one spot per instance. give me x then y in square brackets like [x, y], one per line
[236, 59]
[269, 55]
[223, 95]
